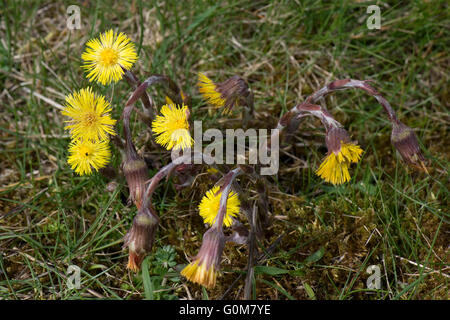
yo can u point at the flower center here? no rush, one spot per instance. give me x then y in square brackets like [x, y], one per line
[178, 129]
[179, 124]
[217, 206]
[85, 152]
[90, 119]
[109, 57]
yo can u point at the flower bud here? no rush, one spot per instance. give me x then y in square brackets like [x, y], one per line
[139, 239]
[225, 94]
[204, 268]
[405, 141]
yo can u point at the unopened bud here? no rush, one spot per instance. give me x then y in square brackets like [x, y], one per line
[139, 239]
[405, 141]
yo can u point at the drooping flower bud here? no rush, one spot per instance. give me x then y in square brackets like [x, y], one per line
[205, 267]
[225, 94]
[139, 239]
[405, 141]
[341, 153]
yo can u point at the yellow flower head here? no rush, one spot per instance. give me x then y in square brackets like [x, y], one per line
[90, 116]
[334, 168]
[86, 155]
[105, 57]
[209, 91]
[172, 128]
[199, 273]
[209, 206]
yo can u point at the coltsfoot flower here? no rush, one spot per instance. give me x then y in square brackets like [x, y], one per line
[86, 156]
[210, 204]
[205, 266]
[225, 94]
[172, 128]
[106, 58]
[341, 153]
[89, 113]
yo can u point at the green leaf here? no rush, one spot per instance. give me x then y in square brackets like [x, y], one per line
[277, 287]
[309, 291]
[148, 285]
[273, 271]
[316, 256]
[297, 272]
[205, 293]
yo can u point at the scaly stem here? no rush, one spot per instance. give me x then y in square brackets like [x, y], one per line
[349, 84]
[174, 91]
[134, 82]
[168, 169]
[226, 188]
[309, 106]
